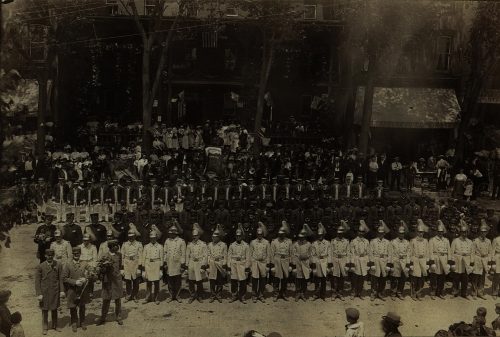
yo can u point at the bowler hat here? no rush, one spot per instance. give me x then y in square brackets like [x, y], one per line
[4, 295]
[393, 318]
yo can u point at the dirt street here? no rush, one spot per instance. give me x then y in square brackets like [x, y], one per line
[312, 319]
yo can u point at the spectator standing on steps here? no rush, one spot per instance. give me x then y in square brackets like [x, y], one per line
[396, 168]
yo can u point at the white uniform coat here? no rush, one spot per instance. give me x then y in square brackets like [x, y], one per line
[196, 257]
[358, 251]
[321, 256]
[281, 252]
[238, 257]
[260, 256]
[131, 255]
[302, 258]
[439, 250]
[339, 256]
[152, 261]
[217, 259]
[175, 255]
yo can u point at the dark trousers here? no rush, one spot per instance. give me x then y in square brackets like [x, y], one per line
[357, 284]
[496, 188]
[45, 319]
[495, 287]
[417, 284]
[378, 285]
[132, 288]
[398, 284]
[337, 284]
[77, 315]
[478, 284]
[215, 287]
[238, 288]
[460, 283]
[195, 288]
[282, 286]
[395, 179]
[258, 286]
[152, 290]
[174, 285]
[320, 286]
[300, 285]
[105, 308]
[437, 283]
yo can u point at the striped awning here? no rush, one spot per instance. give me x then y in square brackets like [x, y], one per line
[417, 108]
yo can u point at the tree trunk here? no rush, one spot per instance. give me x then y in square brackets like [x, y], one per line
[346, 93]
[333, 116]
[42, 106]
[146, 98]
[55, 101]
[367, 106]
[264, 78]
[469, 108]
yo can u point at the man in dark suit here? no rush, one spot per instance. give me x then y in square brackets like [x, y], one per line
[75, 277]
[49, 289]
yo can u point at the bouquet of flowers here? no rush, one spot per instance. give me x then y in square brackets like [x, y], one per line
[104, 268]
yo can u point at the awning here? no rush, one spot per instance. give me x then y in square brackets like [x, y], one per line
[417, 108]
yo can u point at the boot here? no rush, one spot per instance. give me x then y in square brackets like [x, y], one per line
[261, 298]
[234, 298]
[73, 327]
[44, 328]
[54, 321]
[100, 321]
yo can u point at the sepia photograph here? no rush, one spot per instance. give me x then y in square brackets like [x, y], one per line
[249, 168]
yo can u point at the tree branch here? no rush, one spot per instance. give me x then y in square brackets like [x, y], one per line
[137, 19]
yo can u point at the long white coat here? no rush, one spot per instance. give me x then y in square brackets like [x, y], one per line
[401, 253]
[439, 250]
[321, 257]
[196, 257]
[175, 255]
[152, 261]
[358, 251]
[238, 257]
[419, 256]
[131, 255]
[260, 256]
[302, 258]
[380, 254]
[281, 252]
[482, 255]
[217, 259]
[339, 256]
[461, 252]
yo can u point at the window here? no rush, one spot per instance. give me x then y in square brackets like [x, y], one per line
[406, 62]
[191, 10]
[231, 11]
[113, 6]
[38, 42]
[310, 12]
[150, 6]
[444, 45]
